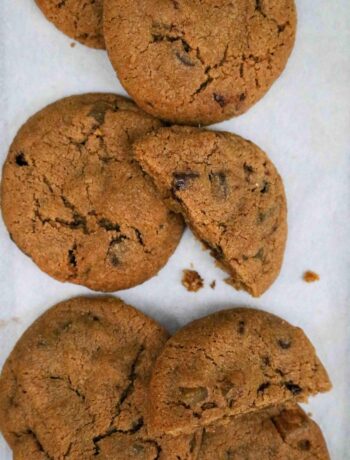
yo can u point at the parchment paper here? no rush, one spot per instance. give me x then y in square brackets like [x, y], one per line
[304, 125]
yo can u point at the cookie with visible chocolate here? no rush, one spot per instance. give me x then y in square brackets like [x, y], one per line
[229, 192]
[230, 363]
[80, 20]
[195, 61]
[76, 202]
[276, 433]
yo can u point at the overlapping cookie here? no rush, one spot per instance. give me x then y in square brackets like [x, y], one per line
[230, 363]
[79, 19]
[76, 202]
[195, 61]
[230, 194]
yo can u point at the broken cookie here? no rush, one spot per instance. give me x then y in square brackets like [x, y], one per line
[76, 202]
[227, 364]
[229, 192]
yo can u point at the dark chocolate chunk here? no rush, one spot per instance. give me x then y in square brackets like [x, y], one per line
[293, 388]
[219, 99]
[284, 343]
[182, 179]
[21, 159]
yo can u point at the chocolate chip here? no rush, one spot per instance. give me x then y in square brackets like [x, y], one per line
[248, 168]
[114, 251]
[219, 99]
[261, 217]
[284, 343]
[263, 387]
[266, 361]
[208, 406]
[265, 188]
[260, 254]
[217, 252]
[108, 225]
[304, 444]
[72, 260]
[114, 260]
[242, 97]
[182, 179]
[241, 327]
[293, 388]
[219, 184]
[98, 111]
[21, 160]
[184, 59]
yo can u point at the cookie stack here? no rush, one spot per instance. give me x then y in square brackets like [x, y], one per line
[97, 190]
[95, 378]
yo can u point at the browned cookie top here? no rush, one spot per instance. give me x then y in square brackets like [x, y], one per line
[229, 192]
[195, 61]
[78, 375]
[278, 433]
[79, 19]
[75, 201]
[230, 363]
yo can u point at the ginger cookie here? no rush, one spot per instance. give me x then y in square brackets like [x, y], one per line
[81, 20]
[198, 62]
[75, 385]
[273, 434]
[75, 201]
[229, 192]
[230, 363]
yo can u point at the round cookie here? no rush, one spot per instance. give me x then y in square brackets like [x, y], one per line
[230, 363]
[75, 386]
[80, 20]
[229, 192]
[74, 200]
[195, 61]
[273, 434]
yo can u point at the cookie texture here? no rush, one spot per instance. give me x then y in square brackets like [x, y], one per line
[76, 202]
[79, 19]
[230, 363]
[229, 192]
[273, 434]
[194, 61]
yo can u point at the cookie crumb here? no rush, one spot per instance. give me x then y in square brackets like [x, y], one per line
[310, 277]
[72, 45]
[213, 284]
[192, 280]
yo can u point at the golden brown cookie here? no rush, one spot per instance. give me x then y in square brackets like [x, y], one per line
[74, 200]
[277, 433]
[230, 363]
[195, 61]
[79, 19]
[229, 192]
[75, 385]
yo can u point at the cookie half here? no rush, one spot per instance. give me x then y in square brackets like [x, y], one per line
[230, 363]
[198, 62]
[74, 200]
[80, 20]
[273, 434]
[75, 385]
[229, 192]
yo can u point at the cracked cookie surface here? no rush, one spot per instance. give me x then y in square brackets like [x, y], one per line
[273, 434]
[74, 200]
[79, 19]
[229, 192]
[75, 385]
[195, 61]
[230, 363]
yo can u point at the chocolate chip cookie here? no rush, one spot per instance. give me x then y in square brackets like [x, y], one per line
[230, 363]
[273, 434]
[78, 375]
[76, 202]
[79, 19]
[230, 194]
[198, 62]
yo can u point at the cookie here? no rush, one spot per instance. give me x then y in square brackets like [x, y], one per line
[80, 20]
[230, 194]
[273, 434]
[75, 201]
[230, 363]
[198, 62]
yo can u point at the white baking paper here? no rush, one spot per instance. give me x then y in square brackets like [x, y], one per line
[304, 125]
